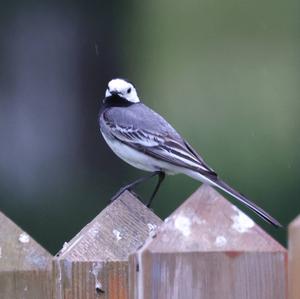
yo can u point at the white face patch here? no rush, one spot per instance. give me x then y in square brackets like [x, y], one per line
[122, 88]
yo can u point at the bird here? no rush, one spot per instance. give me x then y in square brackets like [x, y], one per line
[144, 139]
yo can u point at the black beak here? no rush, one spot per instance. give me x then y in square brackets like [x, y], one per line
[115, 93]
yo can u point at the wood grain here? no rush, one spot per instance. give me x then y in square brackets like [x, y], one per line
[294, 259]
[94, 264]
[209, 249]
[25, 267]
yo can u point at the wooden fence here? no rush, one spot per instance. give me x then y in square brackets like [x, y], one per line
[206, 249]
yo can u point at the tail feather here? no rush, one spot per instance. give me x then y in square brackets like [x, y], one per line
[259, 211]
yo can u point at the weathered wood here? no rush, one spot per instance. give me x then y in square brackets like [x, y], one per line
[209, 249]
[94, 264]
[294, 259]
[25, 267]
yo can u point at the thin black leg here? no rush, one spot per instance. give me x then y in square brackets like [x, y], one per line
[161, 176]
[135, 183]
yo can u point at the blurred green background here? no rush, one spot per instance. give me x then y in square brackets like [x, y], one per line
[224, 73]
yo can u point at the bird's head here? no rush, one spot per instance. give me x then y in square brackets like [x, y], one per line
[121, 89]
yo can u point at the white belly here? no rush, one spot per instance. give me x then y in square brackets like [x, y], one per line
[136, 158]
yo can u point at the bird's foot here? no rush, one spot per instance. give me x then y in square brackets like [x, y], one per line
[151, 209]
[117, 195]
[121, 191]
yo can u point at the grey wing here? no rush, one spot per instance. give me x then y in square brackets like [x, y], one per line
[139, 116]
[159, 140]
[199, 157]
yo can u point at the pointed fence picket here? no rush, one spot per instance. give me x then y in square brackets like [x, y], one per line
[206, 249]
[209, 249]
[25, 266]
[94, 264]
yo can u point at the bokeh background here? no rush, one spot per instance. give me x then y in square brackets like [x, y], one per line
[224, 73]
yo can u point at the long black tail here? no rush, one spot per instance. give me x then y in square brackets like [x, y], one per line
[259, 211]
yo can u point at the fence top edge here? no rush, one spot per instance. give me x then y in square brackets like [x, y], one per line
[19, 251]
[119, 229]
[207, 222]
[295, 223]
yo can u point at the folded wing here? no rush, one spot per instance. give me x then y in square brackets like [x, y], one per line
[163, 147]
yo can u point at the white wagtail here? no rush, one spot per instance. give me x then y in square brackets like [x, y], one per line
[145, 140]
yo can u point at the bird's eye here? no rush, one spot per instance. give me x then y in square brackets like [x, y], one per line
[129, 90]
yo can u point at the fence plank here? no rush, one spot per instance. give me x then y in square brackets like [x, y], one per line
[94, 264]
[294, 259]
[209, 249]
[25, 267]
